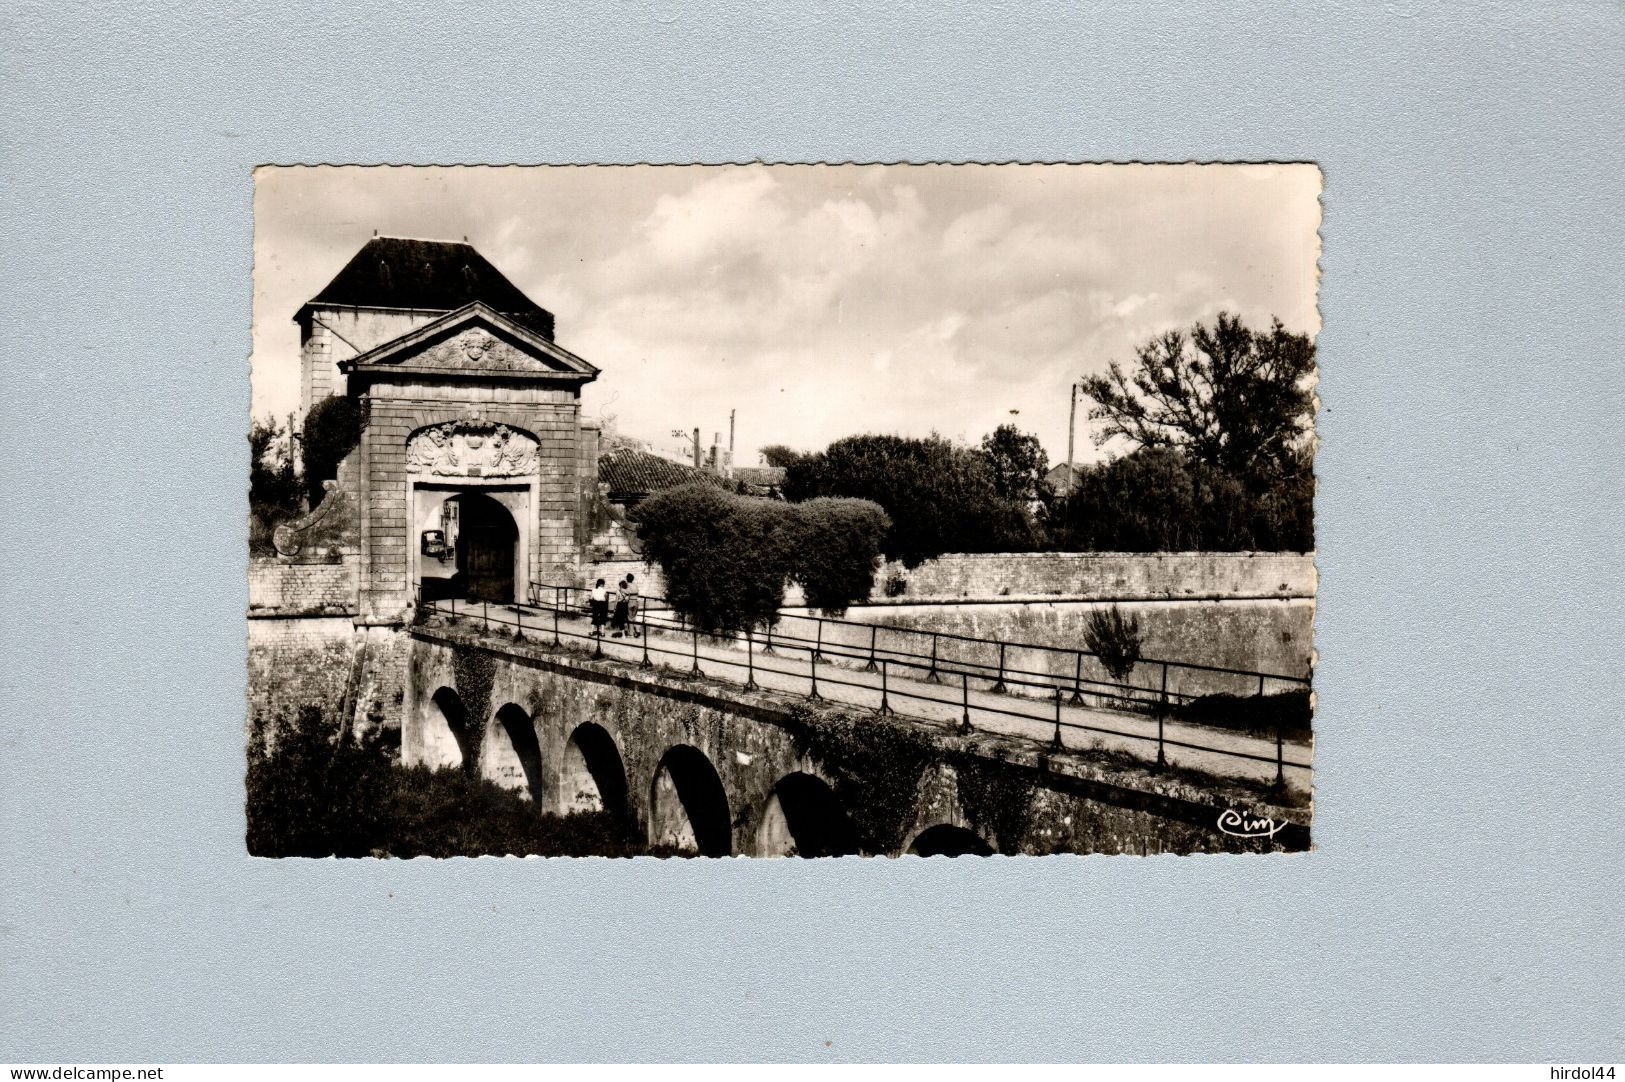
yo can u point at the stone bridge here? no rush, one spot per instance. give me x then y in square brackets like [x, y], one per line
[703, 766]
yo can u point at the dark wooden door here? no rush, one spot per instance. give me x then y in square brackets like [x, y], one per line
[486, 542]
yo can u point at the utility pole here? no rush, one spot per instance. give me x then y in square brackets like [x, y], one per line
[1071, 437]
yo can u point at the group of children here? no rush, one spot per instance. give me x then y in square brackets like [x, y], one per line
[626, 608]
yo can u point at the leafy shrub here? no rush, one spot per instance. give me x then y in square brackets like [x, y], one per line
[311, 791]
[837, 550]
[1115, 639]
[332, 430]
[1259, 714]
[726, 558]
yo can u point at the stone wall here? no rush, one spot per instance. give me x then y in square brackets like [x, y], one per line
[1102, 576]
[337, 334]
[298, 661]
[304, 648]
[1047, 576]
[650, 581]
[1274, 636]
[326, 662]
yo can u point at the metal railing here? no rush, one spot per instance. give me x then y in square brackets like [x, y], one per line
[1021, 674]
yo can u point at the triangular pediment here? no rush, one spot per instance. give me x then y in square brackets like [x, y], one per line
[473, 341]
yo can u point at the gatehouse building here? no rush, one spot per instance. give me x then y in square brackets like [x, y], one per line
[474, 473]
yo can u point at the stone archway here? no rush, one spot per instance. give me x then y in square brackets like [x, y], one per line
[688, 807]
[447, 740]
[947, 840]
[513, 755]
[593, 777]
[803, 817]
[470, 541]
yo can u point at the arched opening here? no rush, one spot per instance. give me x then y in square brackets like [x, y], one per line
[593, 778]
[446, 738]
[804, 818]
[947, 840]
[688, 807]
[513, 755]
[487, 542]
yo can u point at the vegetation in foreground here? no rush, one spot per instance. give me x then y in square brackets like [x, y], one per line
[316, 792]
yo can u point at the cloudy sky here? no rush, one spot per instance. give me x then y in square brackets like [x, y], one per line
[821, 301]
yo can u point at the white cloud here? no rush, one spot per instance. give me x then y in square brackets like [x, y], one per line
[823, 301]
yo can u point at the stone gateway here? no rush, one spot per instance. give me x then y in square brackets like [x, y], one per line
[473, 466]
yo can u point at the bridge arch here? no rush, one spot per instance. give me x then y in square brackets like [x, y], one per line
[513, 755]
[593, 776]
[688, 807]
[447, 738]
[803, 817]
[948, 840]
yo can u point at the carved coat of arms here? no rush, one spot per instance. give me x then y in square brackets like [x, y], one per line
[472, 449]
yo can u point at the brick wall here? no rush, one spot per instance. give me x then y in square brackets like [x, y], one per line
[1275, 636]
[294, 589]
[380, 678]
[587, 483]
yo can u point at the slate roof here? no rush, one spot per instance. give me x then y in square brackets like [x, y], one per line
[631, 474]
[431, 275]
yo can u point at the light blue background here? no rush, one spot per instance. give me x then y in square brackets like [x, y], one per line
[1464, 902]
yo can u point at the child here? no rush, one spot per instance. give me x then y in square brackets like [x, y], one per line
[621, 599]
[630, 592]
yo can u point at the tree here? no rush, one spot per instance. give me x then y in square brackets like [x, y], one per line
[273, 490]
[332, 430]
[1236, 399]
[1158, 499]
[777, 454]
[1018, 463]
[940, 498]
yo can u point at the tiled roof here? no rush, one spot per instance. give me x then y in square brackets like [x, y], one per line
[760, 475]
[632, 474]
[430, 275]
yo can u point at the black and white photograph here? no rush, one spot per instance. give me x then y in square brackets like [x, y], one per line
[1133, 488]
[782, 510]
